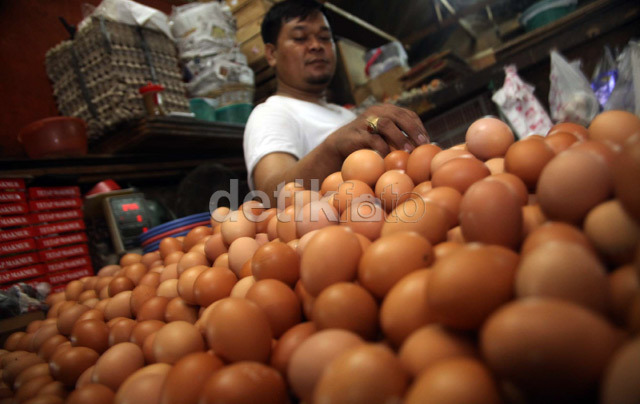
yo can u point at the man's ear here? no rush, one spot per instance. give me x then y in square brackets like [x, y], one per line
[270, 54]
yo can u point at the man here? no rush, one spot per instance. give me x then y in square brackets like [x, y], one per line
[296, 133]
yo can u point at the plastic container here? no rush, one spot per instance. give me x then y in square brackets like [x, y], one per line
[546, 11]
[60, 136]
[236, 113]
[203, 108]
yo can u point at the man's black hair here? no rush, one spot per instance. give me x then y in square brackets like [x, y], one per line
[284, 12]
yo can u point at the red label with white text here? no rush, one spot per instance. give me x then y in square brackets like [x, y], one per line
[54, 204]
[17, 246]
[74, 262]
[57, 241]
[64, 252]
[11, 183]
[54, 192]
[12, 196]
[14, 275]
[17, 261]
[17, 234]
[45, 217]
[15, 221]
[18, 208]
[59, 228]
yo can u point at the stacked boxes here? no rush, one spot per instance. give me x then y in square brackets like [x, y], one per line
[43, 236]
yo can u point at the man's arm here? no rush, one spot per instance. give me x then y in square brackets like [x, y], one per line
[326, 158]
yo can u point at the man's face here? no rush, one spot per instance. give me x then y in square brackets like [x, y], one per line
[305, 53]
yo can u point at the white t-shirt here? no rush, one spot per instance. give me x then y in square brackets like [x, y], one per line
[288, 125]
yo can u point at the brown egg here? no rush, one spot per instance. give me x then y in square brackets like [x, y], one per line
[119, 306]
[219, 215]
[130, 258]
[455, 381]
[238, 329]
[191, 259]
[576, 345]
[135, 272]
[555, 231]
[624, 285]
[194, 236]
[288, 343]
[92, 334]
[278, 302]
[150, 257]
[614, 126]
[152, 278]
[364, 218]
[314, 216]
[139, 296]
[405, 308]
[575, 129]
[390, 258]
[335, 247]
[560, 141]
[213, 284]
[448, 199]
[179, 310]
[214, 247]
[102, 282]
[612, 231]
[33, 371]
[19, 363]
[286, 229]
[627, 177]
[365, 165]
[458, 291]
[48, 347]
[572, 184]
[73, 290]
[276, 260]
[532, 219]
[147, 348]
[67, 365]
[495, 165]
[445, 248]
[168, 289]
[488, 138]
[120, 284]
[618, 386]
[237, 225]
[45, 399]
[312, 356]
[169, 272]
[108, 270]
[240, 251]
[153, 309]
[186, 283]
[432, 343]
[419, 162]
[445, 156]
[526, 159]
[491, 213]
[175, 340]
[245, 382]
[515, 183]
[31, 388]
[116, 364]
[305, 298]
[144, 386]
[331, 183]
[349, 191]
[459, 173]
[173, 258]
[143, 329]
[367, 373]
[242, 286]
[392, 188]
[396, 160]
[91, 393]
[45, 332]
[425, 218]
[192, 370]
[421, 189]
[564, 271]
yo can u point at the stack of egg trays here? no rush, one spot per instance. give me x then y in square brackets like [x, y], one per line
[96, 76]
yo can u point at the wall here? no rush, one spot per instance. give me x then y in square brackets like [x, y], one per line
[29, 29]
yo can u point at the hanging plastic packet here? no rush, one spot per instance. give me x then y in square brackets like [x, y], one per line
[626, 94]
[520, 106]
[605, 76]
[571, 98]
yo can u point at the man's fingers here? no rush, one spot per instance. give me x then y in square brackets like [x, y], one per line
[388, 129]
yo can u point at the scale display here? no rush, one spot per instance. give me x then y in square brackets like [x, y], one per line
[127, 217]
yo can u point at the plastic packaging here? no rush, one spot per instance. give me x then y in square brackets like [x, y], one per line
[605, 76]
[520, 106]
[626, 94]
[385, 58]
[128, 12]
[571, 98]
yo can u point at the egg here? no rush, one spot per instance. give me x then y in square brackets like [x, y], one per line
[276, 260]
[130, 258]
[425, 218]
[396, 160]
[175, 340]
[173, 258]
[213, 284]
[91, 393]
[48, 347]
[192, 370]
[119, 306]
[391, 257]
[560, 141]
[238, 329]
[335, 247]
[135, 272]
[31, 388]
[153, 308]
[120, 284]
[143, 386]
[464, 288]
[120, 331]
[367, 373]
[245, 382]
[419, 162]
[116, 364]
[555, 231]
[33, 371]
[287, 344]
[565, 271]
[627, 177]
[614, 126]
[331, 183]
[242, 286]
[92, 334]
[618, 385]
[168, 289]
[349, 191]
[312, 356]
[448, 199]
[191, 259]
[526, 159]
[347, 306]
[488, 138]
[429, 344]
[194, 236]
[179, 310]
[624, 285]
[364, 165]
[455, 381]
[49, 330]
[550, 349]
[421, 189]
[495, 165]
[445, 156]
[237, 225]
[514, 183]
[314, 216]
[612, 231]
[67, 365]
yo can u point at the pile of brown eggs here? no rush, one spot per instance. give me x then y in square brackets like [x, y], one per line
[492, 272]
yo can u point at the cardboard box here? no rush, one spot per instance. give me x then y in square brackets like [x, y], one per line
[12, 183]
[15, 221]
[57, 241]
[59, 228]
[388, 83]
[250, 11]
[75, 262]
[17, 234]
[12, 196]
[57, 216]
[235, 5]
[253, 49]
[54, 192]
[64, 252]
[18, 274]
[55, 204]
[17, 246]
[18, 208]
[17, 261]
[249, 30]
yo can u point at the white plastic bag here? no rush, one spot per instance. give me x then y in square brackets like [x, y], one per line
[521, 108]
[626, 94]
[131, 13]
[571, 98]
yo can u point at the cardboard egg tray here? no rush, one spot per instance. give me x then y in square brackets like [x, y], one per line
[96, 76]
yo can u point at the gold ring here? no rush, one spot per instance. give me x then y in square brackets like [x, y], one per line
[372, 123]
